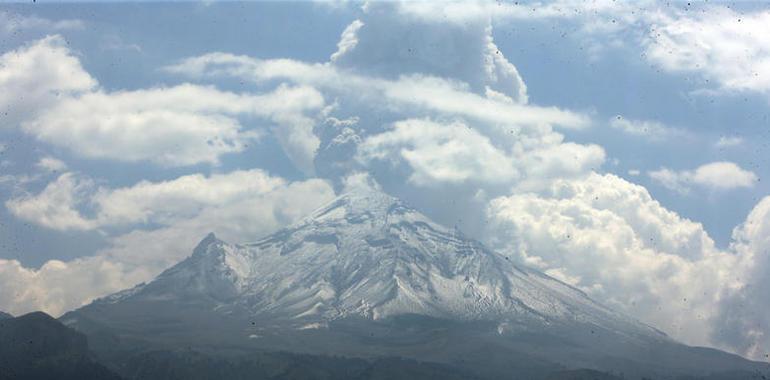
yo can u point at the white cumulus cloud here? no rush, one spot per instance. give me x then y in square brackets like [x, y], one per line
[611, 238]
[55, 207]
[742, 319]
[171, 126]
[716, 176]
[176, 126]
[35, 76]
[441, 152]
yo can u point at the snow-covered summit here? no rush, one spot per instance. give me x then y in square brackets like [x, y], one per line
[367, 254]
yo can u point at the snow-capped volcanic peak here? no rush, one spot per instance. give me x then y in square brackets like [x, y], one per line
[367, 276]
[367, 254]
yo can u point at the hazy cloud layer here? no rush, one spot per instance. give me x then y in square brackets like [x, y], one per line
[647, 129]
[11, 22]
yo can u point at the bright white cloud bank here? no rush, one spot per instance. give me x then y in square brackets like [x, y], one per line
[612, 239]
[608, 236]
[742, 318]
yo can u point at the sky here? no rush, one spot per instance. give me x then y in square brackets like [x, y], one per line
[619, 147]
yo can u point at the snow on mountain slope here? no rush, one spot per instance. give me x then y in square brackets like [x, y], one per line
[367, 254]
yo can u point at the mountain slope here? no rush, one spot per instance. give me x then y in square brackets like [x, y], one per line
[36, 346]
[366, 275]
[367, 254]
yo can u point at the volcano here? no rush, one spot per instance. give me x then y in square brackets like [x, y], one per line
[366, 276]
